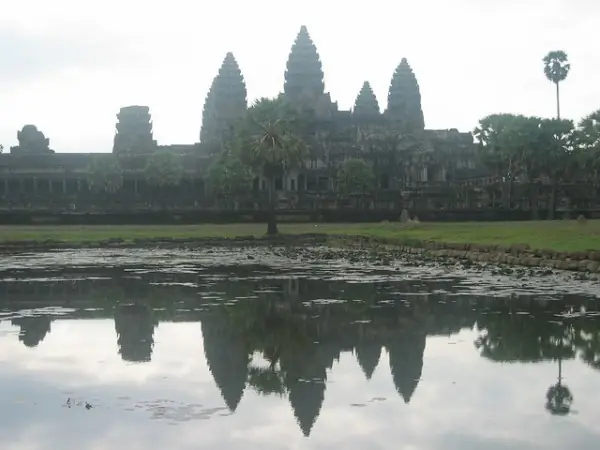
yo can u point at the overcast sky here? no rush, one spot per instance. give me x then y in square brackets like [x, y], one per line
[68, 66]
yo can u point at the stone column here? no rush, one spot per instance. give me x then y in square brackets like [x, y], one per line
[64, 185]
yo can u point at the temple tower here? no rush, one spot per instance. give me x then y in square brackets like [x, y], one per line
[134, 131]
[366, 105]
[225, 104]
[304, 85]
[404, 101]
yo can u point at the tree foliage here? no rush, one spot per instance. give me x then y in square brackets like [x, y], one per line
[556, 66]
[516, 146]
[588, 146]
[269, 142]
[227, 175]
[355, 176]
[105, 173]
[163, 169]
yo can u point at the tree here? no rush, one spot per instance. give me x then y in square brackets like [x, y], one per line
[516, 146]
[105, 174]
[1, 148]
[228, 176]
[355, 176]
[588, 146]
[163, 169]
[269, 143]
[556, 69]
[556, 154]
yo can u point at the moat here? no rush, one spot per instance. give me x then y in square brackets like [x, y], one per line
[292, 348]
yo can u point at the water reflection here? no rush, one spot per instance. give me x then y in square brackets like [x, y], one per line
[282, 338]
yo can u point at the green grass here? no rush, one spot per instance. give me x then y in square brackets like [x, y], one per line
[552, 235]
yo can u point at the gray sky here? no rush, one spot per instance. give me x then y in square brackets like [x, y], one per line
[68, 66]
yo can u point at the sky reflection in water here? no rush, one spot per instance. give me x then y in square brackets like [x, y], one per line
[183, 362]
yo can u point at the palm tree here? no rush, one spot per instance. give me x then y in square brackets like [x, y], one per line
[556, 68]
[269, 142]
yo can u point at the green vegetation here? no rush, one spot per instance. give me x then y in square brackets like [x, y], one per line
[269, 142]
[105, 173]
[163, 169]
[557, 235]
[355, 176]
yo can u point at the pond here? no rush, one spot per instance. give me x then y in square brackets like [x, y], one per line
[292, 348]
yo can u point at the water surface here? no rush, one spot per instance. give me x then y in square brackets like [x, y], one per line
[257, 348]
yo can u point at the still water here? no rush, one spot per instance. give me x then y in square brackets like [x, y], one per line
[256, 349]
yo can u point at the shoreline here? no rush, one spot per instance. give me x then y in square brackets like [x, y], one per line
[519, 255]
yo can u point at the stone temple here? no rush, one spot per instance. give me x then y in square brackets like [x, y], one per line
[414, 166]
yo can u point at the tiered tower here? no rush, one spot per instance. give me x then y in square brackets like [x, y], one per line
[304, 85]
[225, 104]
[134, 131]
[366, 105]
[404, 101]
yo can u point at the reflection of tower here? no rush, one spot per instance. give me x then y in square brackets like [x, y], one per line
[367, 355]
[406, 362]
[226, 357]
[134, 325]
[305, 382]
[33, 329]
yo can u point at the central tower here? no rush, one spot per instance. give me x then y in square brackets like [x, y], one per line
[304, 85]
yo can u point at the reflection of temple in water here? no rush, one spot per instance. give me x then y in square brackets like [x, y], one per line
[33, 329]
[227, 357]
[134, 325]
[301, 333]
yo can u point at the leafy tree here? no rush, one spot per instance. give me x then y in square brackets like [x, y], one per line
[556, 154]
[228, 176]
[516, 146]
[1, 148]
[588, 146]
[355, 176]
[269, 142]
[163, 170]
[556, 69]
[104, 174]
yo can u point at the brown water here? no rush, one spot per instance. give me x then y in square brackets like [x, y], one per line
[256, 348]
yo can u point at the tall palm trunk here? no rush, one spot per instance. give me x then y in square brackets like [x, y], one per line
[272, 217]
[557, 101]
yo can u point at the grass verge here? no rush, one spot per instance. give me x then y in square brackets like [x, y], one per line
[564, 236]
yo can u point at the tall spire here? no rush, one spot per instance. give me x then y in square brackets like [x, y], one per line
[225, 103]
[366, 104]
[304, 72]
[404, 100]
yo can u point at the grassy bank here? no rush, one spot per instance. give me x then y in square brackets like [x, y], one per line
[556, 235]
